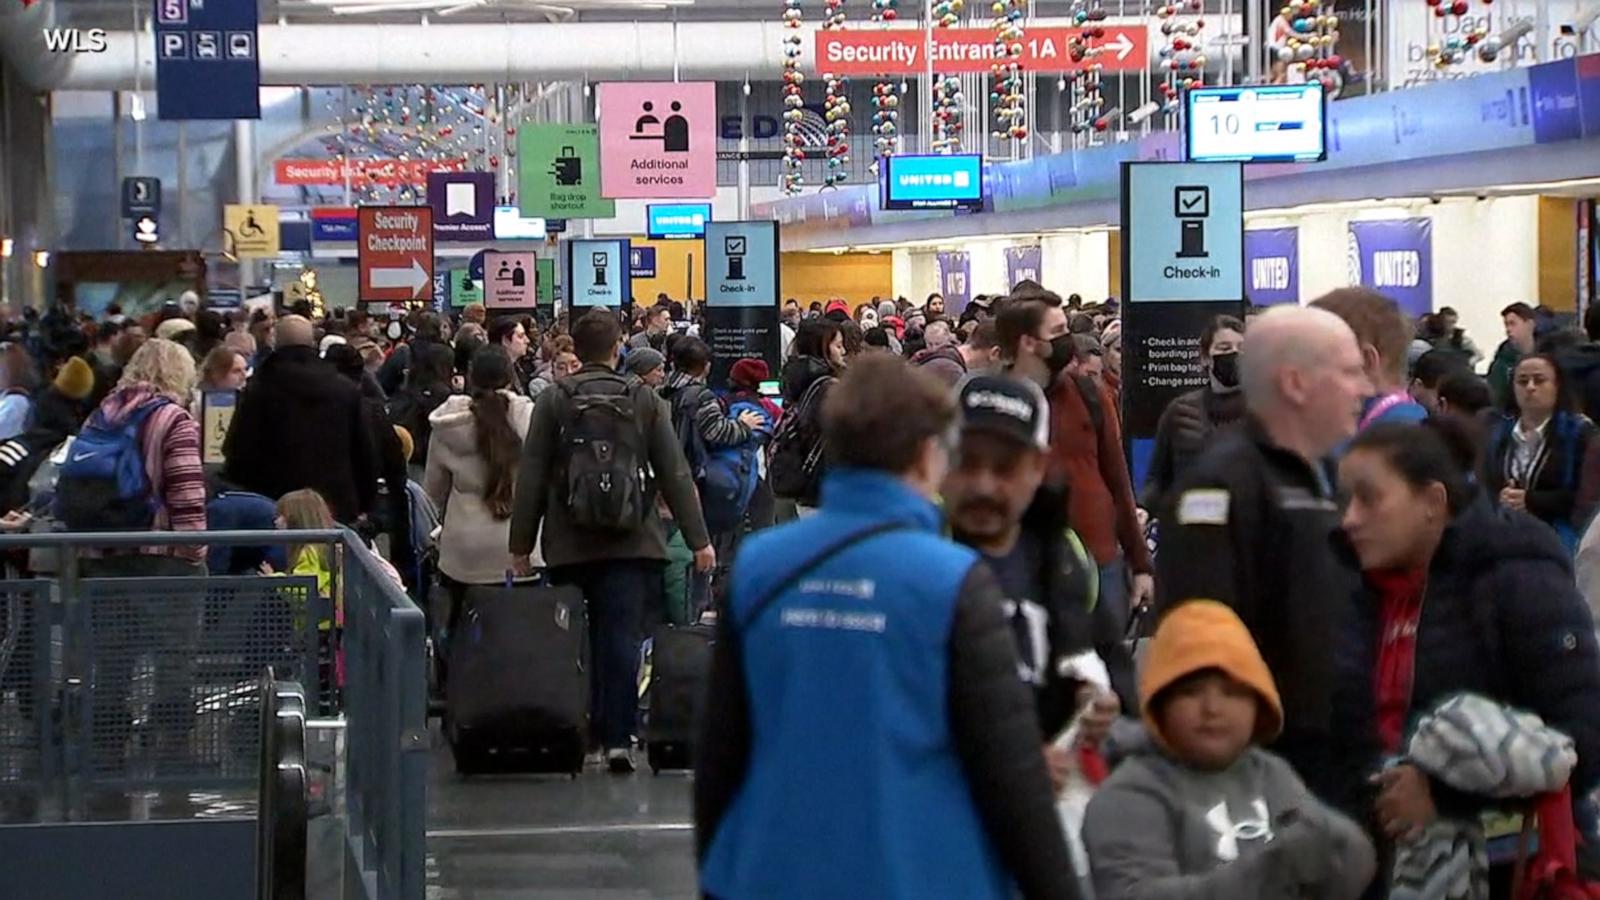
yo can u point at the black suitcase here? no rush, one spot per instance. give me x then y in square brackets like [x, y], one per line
[680, 666]
[517, 698]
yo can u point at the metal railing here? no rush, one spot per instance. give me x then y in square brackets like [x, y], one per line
[284, 784]
[125, 677]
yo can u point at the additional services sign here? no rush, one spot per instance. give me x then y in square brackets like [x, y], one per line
[251, 231]
[463, 205]
[141, 196]
[742, 305]
[510, 281]
[1272, 257]
[396, 253]
[1183, 231]
[658, 139]
[206, 61]
[1395, 258]
[902, 51]
[597, 273]
[559, 173]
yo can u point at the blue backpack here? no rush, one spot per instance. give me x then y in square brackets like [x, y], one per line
[103, 486]
[726, 476]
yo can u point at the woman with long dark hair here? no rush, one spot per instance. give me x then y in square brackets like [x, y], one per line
[1534, 461]
[472, 469]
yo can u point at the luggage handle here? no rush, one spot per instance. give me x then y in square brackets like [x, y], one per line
[817, 559]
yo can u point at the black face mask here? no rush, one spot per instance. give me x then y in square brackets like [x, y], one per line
[1225, 368]
[1062, 352]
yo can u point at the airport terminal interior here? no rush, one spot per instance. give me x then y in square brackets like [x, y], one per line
[508, 360]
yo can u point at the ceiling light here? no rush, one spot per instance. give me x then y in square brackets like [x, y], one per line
[7, 247]
[41, 258]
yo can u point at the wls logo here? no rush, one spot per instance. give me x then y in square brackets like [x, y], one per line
[75, 40]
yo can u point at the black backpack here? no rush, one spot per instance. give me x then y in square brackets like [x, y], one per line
[794, 458]
[603, 456]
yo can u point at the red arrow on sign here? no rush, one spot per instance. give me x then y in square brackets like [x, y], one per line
[396, 253]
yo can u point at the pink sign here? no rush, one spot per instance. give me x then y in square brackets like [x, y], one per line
[658, 139]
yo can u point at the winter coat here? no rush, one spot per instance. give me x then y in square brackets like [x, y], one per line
[883, 681]
[1580, 367]
[1159, 830]
[539, 499]
[1090, 461]
[1553, 492]
[472, 544]
[300, 425]
[1501, 617]
[798, 374]
[410, 408]
[1506, 357]
[1184, 431]
[717, 428]
[169, 441]
[945, 362]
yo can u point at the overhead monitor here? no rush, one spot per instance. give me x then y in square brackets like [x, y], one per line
[667, 221]
[1259, 123]
[952, 181]
[509, 225]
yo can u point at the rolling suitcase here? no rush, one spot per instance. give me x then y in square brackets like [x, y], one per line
[517, 698]
[680, 666]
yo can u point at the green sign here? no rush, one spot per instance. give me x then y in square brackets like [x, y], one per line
[463, 290]
[559, 173]
[546, 271]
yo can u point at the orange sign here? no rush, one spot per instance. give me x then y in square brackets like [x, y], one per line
[902, 51]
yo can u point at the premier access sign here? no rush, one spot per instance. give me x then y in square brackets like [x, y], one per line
[901, 51]
[396, 253]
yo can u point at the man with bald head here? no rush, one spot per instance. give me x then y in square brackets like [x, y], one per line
[299, 424]
[1250, 523]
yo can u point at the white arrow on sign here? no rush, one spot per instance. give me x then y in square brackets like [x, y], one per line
[412, 279]
[1122, 45]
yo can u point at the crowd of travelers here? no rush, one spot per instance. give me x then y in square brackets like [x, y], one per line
[1336, 639]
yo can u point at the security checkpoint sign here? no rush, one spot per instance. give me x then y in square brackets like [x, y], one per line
[396, 253]
[207, 64]
[903, 51]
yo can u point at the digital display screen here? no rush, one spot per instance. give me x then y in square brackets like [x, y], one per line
[931, 182]
[1260, 123]
[666, 221]
[509, 225]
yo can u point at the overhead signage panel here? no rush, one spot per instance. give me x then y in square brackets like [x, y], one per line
[597, 273]
[903, 51]
[559, 173]
[463, 206]
[658, 139]
[396, 253]
[207, 65]
[251, 231]
[1185, 231]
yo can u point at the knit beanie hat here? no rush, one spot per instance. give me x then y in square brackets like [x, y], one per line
[407, 445]
[836, 306]
[1199, 635]
[75, 380]
[748, 373]
[174, 329]
[643, 361]
[886, 309]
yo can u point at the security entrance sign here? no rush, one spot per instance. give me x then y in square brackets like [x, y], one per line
[396, 253]
[207, 66]
[559, 173]
[1182, 264]
[742, 305]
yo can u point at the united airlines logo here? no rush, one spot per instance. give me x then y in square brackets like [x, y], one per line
[1352, 258]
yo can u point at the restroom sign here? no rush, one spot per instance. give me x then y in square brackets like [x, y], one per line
[658, 140]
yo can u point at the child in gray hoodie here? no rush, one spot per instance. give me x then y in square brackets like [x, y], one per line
[1204, 814]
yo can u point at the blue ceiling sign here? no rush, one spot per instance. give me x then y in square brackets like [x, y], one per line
[207, 64]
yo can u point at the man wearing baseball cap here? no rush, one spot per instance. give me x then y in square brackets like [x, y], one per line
[999, 505]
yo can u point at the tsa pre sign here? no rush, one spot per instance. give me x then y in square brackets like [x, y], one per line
[902, 51]
[396, 253]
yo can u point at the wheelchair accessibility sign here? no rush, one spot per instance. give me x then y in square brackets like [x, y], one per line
[250, 232]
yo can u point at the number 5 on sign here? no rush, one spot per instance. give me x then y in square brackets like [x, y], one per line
[174, 12]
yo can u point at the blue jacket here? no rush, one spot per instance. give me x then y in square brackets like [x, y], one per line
[854, 780]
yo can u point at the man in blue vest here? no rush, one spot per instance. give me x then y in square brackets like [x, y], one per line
[866, 734]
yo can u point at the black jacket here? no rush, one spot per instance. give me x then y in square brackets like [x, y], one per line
[394, 513]
[410, 408]
[798, 375]
[1501, 617]
[1249, 525]
[1186, 428]
[300, 425]
[1580, 366]
[1553, 493]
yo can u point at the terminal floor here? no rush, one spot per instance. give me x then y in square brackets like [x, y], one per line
[598, 837]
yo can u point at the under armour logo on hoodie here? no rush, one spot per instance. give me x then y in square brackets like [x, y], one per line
[1229, 833]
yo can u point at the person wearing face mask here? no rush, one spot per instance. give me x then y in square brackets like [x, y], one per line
[1191, 421]
[1085, 445]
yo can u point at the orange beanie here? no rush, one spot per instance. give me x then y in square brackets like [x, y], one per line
[1204, 634]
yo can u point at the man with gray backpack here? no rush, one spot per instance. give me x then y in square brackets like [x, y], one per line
[599, 450]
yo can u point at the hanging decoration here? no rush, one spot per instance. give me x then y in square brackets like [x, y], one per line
[794, 154]
[948, 98]
[1183, 56]
[1006, 94]
[885, 99]
[836, 107]
[1462, 40]
[382, 131]
[1313, 34]
[1083, 88]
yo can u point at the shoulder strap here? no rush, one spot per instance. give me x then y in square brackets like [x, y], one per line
[821, 556]
[1091, 399]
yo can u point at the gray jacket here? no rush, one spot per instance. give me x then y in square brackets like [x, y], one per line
[1158, 830]
[539, 498]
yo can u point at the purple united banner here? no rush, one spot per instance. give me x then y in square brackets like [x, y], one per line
[1395, 258]
[955, 279]
[1272, 266]
[1024, 263]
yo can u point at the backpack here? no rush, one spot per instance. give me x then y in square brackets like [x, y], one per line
[725, 477]
[794, 459]
[1091, 399]
[602, 456]
[103, 485]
